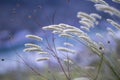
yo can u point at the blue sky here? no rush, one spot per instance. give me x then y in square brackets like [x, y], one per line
[21, 17]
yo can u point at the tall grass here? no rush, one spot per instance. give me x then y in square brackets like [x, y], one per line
[107, 68]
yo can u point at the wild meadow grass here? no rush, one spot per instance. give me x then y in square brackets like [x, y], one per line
[105, 68]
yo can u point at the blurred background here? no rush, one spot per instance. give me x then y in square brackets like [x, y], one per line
[21, 17]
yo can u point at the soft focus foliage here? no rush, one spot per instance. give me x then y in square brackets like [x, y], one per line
[60, 63]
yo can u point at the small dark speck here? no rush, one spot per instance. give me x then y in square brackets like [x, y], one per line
[100, 48]
[2, 59]
[108, 42]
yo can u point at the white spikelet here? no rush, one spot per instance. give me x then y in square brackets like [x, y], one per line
[46, 27]
[88, 25]
[99, 2]
[99, 36]
[73, 31]
[56, 32]
[95, 15]
[116, 25]
[85, 15]
[66, 26]
[117, 1]
[85, 38]
[85, 28]
[68, 44]
[32, 49]
[65, 35]
[41, 52]
[51, 27]
[43, 59]
[94, 44]
[111, 34]
[108, 9]
[96, 22]
[32, 45]
[34, 37]
[91, 23]
[66, 50]
[88, 20]
[109, 12]
[110, 30]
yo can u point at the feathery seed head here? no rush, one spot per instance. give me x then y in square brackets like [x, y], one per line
[32, 49]
[99, 36]
[34, 37]
[117, 1]
[65, 35]
[63, 49]
[110, 30]
[68, 44]
[84, 23]
[85, 15]
[32, 45]
[42, 52]
[96, 15]
[52, 27]
[91, 23]
[107, 9]
[43, 59]
[56, 32]
[65, 26]
[116, 25]
[85, 28]
[99, 2]
[73, 31]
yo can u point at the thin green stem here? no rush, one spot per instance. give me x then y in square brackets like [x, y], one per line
[99, 68]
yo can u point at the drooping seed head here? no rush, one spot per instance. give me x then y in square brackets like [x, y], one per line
[115, 24]
[32, 45]
[68, 44]
[63, 49]
[117, 1]
[108, 9]
[34, 37]
[43, 59]
[32, 49]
